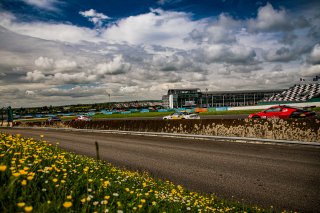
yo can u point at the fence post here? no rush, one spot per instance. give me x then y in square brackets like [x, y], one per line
[97, 150]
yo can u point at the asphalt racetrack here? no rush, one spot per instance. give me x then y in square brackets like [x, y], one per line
[282, 176]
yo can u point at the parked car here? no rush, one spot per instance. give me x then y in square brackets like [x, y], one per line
[283, 111]
[54, 119]
[83, 118]
[181, 115]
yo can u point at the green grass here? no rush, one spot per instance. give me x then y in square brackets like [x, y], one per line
[41, 177]
[145, 114]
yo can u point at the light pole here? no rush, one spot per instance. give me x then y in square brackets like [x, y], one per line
[207, 97]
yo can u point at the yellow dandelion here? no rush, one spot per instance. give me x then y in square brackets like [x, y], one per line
[143, 200]
[69, 197]
[67, 204]
[21, 204]
[83, 200]
[154, 203]
[54, 180]
[29, 177]
[90, 180]
[140, 206]
[28, 208]
[3, 168]
[24, 182]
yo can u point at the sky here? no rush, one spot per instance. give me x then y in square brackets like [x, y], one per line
[55, 52]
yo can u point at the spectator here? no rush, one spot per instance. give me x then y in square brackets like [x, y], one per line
[2, 115]
[10, 116]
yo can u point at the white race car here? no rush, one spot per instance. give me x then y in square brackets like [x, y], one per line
[181, 115]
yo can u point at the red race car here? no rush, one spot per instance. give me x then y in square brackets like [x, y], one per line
[283, 111]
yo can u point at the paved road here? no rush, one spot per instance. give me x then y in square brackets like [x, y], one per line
[286, 177]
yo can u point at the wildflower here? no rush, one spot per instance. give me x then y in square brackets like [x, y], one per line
[28, 208]
[67, 204]
[90, 180]
[83, 200]
[44, 190]
[106, 197]
[143, 200]
[3, 168]
[21, 204]
[154, 203]
[54, 180]
[69, 197]
[115, 194]
[30, 177]
[95, 203]
[24, 182]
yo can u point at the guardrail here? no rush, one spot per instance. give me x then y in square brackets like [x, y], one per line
[187, 136]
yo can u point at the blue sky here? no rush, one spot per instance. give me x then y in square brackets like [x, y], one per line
[64, 52]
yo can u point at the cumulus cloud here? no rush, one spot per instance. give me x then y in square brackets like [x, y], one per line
[315, 55]
[158, 27]
[220, 31]
[310, 71]
[270, 20]
[116, 66]
[96, 18]
[224, 53]
[35, 75]
[283, 54]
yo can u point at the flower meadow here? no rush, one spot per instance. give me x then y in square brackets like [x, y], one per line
[36, 176]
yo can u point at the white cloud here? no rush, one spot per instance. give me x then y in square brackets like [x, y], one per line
[116, 66]
[224, 53]
[43, 4]
[270, 20]
[44, 62]
[315, 54]
[94, 17]
[35, 76]
[157, 27]
[310, 71]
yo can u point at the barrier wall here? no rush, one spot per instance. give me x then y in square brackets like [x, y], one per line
[317, 104]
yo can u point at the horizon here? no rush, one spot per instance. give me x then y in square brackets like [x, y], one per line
[59, 53]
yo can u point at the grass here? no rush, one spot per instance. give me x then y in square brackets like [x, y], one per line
[40, 177]
[130, 115]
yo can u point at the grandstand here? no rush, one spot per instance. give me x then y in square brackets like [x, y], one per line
[297, 93]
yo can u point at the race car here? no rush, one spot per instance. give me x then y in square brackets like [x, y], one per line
[181, 115]
[283, 111]
[83, 118]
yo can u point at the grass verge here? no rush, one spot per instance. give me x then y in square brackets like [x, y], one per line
[37, 176]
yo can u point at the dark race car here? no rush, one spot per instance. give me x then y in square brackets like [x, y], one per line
[283, 111]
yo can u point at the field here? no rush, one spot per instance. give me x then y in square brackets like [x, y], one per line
[40, 177]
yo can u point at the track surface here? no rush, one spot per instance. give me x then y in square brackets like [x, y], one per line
[286, 177]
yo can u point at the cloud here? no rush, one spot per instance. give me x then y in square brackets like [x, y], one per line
[310, 71]
[270, 20]
[314, 56]
[223, 30]
[114, 67]
[158, 27]
[282, 54]
[94, 17]
[35, 76]
[224, 53]
[43, 4]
